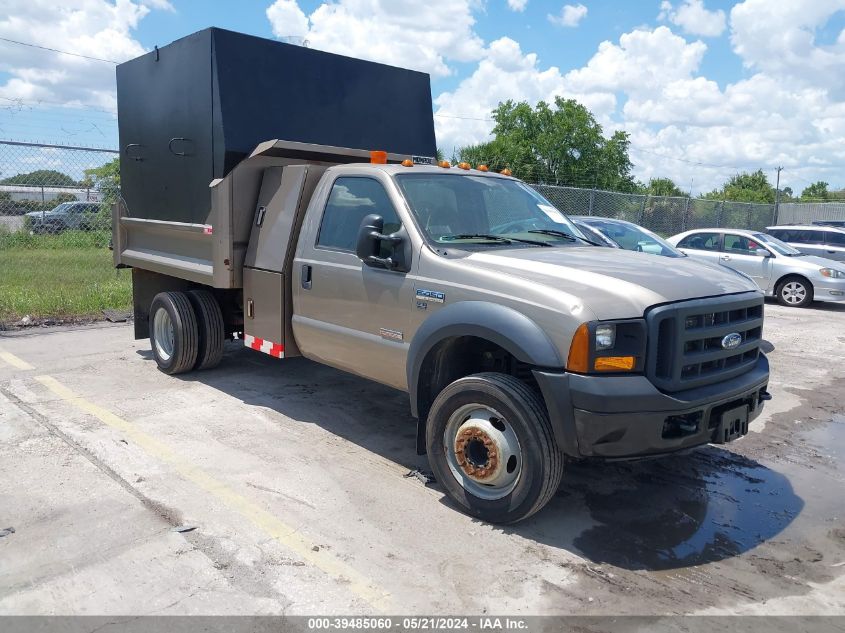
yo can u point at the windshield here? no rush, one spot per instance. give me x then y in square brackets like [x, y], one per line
[490, 211]
[62, 208]
[634, 238]
[781, 248]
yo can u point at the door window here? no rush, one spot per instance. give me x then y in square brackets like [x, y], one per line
[701, 242]
[834, 238]
[740, 245]
[350, 201]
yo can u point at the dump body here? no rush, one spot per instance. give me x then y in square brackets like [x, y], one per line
[189, 112]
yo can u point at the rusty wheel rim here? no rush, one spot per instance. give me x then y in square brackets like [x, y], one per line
[482, 451]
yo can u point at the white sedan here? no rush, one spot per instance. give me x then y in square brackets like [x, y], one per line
[781, 271]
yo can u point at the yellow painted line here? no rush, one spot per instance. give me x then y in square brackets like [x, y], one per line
[14, 361]
[272, 525]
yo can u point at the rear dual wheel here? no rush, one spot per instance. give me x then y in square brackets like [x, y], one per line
[186, 331]
[491, 445]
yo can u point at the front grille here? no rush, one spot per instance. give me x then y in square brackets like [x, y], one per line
[685, 341]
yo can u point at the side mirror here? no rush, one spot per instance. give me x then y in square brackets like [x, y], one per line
[368, 248]
[762, 252]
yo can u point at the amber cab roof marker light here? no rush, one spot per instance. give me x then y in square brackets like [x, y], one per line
[445, 164]
[407, 163]
[483, 168]
[505, 172]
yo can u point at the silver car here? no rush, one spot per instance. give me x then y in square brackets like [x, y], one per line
[781, 271]
[813, 239]
[623, 234]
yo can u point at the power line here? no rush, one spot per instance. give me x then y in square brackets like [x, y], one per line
[56, 50]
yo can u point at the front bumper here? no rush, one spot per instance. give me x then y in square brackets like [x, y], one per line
[628, 417]
[829, 290]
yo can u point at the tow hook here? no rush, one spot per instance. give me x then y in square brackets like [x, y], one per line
[765, 396]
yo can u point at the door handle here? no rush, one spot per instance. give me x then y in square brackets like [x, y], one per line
[306, 276]
[832, 252]
[726, 257]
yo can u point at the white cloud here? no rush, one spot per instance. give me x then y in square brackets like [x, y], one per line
[694, 18]
[287, 20]
[779, 38]
[95, 28]
[682, 125]
[570, 15]
[420, 35]
[517, 5]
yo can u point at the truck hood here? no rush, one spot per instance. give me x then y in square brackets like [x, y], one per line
[613, 283]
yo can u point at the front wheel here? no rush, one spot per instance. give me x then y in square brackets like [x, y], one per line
[795, 292]
[490, 443]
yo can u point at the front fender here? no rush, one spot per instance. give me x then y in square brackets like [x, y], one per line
[509, 329]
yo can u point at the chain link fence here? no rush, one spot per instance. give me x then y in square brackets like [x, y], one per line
[664, 215]
[55, 229]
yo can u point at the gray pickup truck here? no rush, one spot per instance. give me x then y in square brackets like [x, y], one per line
[520, 344]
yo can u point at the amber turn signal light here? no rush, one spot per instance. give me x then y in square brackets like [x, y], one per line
[615, 363]
[579, 351]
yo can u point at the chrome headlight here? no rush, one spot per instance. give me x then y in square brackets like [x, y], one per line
[605, 336]
[832, 273]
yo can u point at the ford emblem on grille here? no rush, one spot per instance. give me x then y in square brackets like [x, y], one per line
[732, 340]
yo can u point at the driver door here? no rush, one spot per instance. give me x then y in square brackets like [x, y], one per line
[347, 314]
[740, 253]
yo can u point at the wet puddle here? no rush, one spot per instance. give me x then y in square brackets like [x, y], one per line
[687, 510]
[702, 507]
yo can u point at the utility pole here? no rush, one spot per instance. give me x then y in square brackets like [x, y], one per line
[777, 198]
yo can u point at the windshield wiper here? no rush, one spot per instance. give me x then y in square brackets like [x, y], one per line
[493, 238]
[564, 235]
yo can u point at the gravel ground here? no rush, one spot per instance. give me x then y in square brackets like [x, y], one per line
[271, 487]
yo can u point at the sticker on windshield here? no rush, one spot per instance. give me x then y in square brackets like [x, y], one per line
[555, 215]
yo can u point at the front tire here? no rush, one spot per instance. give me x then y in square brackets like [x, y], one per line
[490, 443]
[794, 292]
[173, 332]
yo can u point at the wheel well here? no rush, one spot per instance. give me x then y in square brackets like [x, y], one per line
[459, 356]
[793, 276]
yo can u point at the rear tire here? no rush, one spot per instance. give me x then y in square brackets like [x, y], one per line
[210, 328]
[794, 292]
[173, 332]
[480, 430]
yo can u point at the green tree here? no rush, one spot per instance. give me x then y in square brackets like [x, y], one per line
[745, 187]
[106, 179]
[558, 144]
[663, 187]
[816, 191]
[45, 177]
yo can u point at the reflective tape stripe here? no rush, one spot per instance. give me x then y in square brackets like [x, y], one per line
[276, 350]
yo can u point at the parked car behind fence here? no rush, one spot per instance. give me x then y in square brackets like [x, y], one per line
[81, 216]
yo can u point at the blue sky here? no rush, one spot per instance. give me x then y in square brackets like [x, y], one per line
[704, 87]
